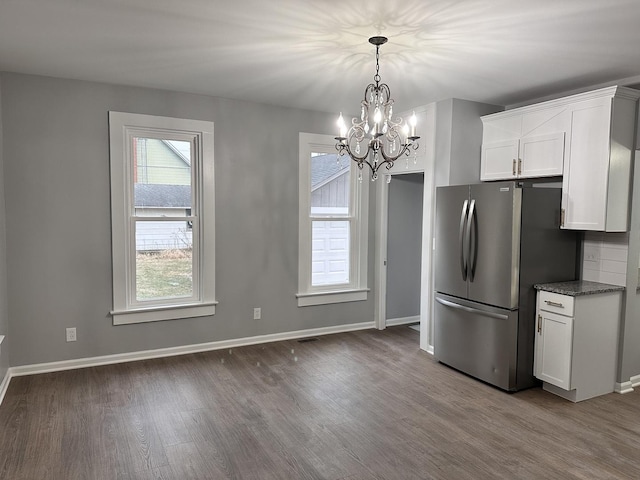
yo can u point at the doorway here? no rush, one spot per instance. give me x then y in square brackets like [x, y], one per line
[404, 250]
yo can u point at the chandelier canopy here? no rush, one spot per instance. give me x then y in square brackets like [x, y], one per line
[376, 138]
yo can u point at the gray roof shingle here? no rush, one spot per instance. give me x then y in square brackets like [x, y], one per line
[326, 166]
[162, 196]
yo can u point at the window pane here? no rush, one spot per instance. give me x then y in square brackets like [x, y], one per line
[162, 177]
[330, 193]
[330, 252]
[164, 263]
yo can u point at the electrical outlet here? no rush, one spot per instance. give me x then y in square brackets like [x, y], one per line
[591, 253]
[257, 313]
[71, 334]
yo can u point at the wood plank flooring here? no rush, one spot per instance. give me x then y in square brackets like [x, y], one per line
[353, 406]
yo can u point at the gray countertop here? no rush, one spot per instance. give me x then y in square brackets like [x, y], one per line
[575, 288]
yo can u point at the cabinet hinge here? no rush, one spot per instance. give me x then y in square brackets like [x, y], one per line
[519, 166]
[562, 217]
[539, 323]
[513, 168]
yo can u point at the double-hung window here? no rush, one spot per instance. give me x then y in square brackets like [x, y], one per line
[332, 264]
[162, 218]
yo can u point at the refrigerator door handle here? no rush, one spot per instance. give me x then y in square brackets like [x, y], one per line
[447, 303]
[472, 240]
[461, 240]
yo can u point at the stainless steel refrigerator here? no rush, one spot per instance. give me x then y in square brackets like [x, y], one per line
[493, 242]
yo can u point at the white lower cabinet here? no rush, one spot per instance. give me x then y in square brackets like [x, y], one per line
[577, 343]
[553, 349]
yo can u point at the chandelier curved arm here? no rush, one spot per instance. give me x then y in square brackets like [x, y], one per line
[343, 147]
[376, 149]
[368, 91]
[405, 150]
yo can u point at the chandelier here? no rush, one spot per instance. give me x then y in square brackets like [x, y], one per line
[376, 138]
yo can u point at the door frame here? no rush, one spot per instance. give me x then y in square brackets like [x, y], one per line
[381, 242]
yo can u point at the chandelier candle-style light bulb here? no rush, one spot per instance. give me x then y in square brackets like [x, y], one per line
[383, 138]
[342, 126]
[413, 121]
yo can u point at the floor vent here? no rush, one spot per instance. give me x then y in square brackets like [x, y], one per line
[305, 340]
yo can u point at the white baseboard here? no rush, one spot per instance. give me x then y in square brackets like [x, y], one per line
[173, 351]
[624, 387]
[627, 387]
[4, 384]
[392, 322]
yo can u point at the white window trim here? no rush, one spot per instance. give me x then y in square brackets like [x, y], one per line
[122, 126]
[356, 289]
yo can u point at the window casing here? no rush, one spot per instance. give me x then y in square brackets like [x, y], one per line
[162, 218]
[333, 210]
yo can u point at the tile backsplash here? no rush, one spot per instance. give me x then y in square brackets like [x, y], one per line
[604, 257]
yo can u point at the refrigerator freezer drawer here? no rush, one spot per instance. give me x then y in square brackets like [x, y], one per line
[477, 339]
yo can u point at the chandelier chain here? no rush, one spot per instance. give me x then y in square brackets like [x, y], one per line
[376, 77]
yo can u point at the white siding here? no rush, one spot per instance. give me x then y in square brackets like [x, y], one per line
[163, 235]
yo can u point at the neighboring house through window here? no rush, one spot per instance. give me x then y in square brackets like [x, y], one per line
[163, 225]
[333, 225]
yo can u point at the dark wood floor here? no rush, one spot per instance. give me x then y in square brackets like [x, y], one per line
[349, 406]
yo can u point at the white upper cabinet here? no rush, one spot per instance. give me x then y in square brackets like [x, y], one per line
[498, 160]
[523, 144]
[597, 172]
[587, 138]
[541, 155]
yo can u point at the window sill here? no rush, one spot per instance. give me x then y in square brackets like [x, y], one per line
[335, 296]
[156, 314]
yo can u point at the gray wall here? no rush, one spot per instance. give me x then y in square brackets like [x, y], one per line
[56, 157]
[629, 347]
[4, 321]
[457, 148]
[404, 245]
[459, 140]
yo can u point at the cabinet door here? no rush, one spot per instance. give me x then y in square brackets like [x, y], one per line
[499, 160]
[541, 155]
[553, 349]
[586, 171]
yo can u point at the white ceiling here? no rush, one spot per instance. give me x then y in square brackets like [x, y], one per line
[314, 54]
